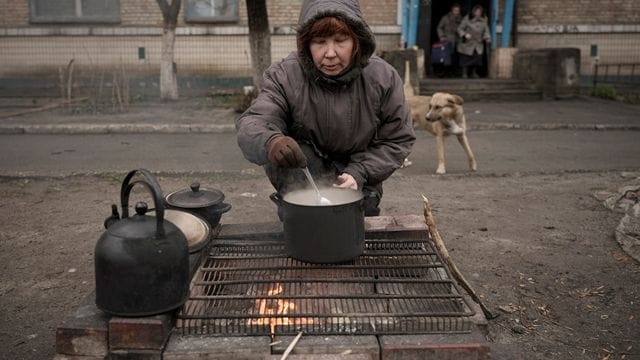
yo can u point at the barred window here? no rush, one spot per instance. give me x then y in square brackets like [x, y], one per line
[211, 11]
[75, 11]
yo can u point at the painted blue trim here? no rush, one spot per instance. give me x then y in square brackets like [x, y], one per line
[405, 21]
[506, 22]
[494, 22]
[413, 23]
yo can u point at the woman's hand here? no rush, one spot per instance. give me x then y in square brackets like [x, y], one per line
[467, 36]
[285, 151]
[346, 181]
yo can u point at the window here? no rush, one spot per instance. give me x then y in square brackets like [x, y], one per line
[211, 10]
[75, 11]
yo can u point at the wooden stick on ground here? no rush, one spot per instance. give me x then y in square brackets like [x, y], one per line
[439, 243]
[291, 346]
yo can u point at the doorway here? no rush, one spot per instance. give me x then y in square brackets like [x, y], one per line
[430, 14]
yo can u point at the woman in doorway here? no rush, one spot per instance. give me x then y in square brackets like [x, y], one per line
[448, 34]
[332, 106]
[473, 31]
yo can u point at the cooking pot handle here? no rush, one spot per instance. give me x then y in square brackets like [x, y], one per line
[154, 188]
[222, 208]
[276, 198]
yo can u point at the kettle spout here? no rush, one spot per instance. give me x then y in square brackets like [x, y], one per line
[115, 216]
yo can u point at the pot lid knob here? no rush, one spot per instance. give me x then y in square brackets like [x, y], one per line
[195, 187]
[141, 208]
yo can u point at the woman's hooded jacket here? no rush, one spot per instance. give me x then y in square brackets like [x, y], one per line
[358, 118]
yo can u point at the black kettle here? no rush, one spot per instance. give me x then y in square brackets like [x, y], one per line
[141, 262]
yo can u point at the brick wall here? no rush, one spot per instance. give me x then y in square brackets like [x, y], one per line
[14, 13]
[570, 12]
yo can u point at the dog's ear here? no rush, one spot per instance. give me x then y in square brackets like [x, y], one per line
[457, 99]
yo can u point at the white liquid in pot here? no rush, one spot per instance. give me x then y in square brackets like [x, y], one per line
[309, 197]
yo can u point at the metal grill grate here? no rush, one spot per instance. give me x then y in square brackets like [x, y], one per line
[253, 288]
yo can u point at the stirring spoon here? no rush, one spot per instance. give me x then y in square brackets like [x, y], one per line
[321, 199]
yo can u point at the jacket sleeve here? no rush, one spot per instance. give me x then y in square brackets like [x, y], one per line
[486, 35]
[392, 143]
[441, 26]
[462, 28]
[265, 118]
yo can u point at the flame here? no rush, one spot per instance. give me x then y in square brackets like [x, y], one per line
[278, 308]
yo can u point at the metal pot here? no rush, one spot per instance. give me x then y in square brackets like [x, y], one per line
[207, 203]
[323, 233]
[141, 262]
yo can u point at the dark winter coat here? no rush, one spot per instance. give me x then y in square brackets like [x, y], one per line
[479, 29]
[359, 117]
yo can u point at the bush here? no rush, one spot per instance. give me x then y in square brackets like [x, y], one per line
[604, 92]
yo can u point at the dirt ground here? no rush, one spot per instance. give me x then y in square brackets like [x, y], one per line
[538, 248]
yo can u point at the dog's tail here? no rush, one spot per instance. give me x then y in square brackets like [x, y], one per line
[408, 89]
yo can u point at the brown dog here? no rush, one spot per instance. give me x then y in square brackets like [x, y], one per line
[441, 115]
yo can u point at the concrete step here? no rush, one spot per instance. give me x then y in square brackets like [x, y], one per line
[482, 89]
[470, 84]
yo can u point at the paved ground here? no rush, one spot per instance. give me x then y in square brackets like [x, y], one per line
[525, 229]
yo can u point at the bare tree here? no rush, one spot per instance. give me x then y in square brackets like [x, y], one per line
[259, 38]
[168, 68]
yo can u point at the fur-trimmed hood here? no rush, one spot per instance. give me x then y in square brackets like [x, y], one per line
[347, 11]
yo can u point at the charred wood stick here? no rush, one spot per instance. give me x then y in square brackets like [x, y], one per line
[442, 249]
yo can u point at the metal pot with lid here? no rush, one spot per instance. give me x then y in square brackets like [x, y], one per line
[204, 202]
[141, 262]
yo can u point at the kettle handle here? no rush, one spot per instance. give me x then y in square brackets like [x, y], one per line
[152, 185]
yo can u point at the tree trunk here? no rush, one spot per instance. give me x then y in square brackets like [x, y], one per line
[259, 38]
[168, 68]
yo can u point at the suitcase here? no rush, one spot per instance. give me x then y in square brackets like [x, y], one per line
[441, 53]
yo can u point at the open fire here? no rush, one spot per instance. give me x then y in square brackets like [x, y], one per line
[276, 307]
[397, 286]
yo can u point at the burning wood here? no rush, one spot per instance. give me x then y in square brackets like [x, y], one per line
[277, 308]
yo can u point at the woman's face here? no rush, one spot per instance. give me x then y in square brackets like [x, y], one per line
[331, 54]
[477, 12]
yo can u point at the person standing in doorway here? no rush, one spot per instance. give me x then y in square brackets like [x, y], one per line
[473, 31]
[448, 35]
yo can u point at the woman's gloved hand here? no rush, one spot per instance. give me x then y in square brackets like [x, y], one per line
[347, 181]
[285, 152]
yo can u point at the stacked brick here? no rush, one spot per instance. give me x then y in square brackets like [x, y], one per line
[574, 12]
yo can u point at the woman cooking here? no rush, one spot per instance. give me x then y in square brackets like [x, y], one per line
[332, 106]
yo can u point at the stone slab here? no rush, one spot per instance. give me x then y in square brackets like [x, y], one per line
[324, 357]
[135, 355]
[76, 357]
[144, 333]
[207, 347]
[331, 345]
[472, 346]
[84, 332]
[406, 226]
